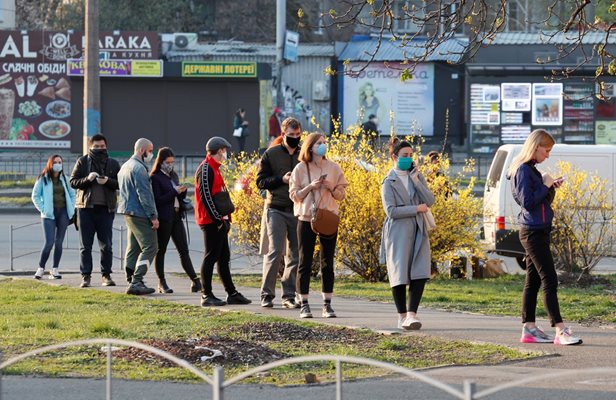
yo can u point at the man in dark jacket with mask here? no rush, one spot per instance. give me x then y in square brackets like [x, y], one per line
[95, 177]
[274, 173]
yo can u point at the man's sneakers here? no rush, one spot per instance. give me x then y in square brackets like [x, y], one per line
[237, 298]
[328, 311]
[304, 311]
[85, 281]
[138, 289]
[290, 303]
[212, 301]
[54, 274]
[565, 338]
[535, 335]
[267, 302]
[39, 273]
[409, 324]
[107, 281]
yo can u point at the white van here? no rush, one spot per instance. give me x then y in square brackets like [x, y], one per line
[500, 211]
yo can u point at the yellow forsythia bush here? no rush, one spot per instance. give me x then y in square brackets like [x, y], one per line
[584, 220]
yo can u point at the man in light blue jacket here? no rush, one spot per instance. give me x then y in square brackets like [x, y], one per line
[139, 209]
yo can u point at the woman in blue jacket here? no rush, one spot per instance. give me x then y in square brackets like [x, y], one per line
[168, 195]
[53, 196]
[534, 192]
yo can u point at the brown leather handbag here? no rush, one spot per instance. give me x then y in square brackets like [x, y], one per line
[322, 222]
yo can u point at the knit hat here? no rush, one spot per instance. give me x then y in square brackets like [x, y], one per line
[216, 143]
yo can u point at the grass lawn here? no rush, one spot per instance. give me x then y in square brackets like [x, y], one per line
[34, 314]
[16, 201]
[500, 296]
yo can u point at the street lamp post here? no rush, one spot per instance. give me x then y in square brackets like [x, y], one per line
[92, 85]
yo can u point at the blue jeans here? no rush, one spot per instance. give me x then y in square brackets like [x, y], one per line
[54, 230]
[97, 220]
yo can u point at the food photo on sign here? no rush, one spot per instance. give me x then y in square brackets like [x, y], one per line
[34, 107]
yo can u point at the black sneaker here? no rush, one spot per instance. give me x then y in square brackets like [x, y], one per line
[212, 301]
[267, 302]
[107, 281]
[237, 298]
[328, 311]
[290, 303]
[138, 289]
[305, 312]
[85, 281]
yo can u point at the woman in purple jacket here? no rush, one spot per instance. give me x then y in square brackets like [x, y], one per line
[534, 192]
[168, 195]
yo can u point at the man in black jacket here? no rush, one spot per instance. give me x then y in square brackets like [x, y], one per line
[274, 173]
[95, 177]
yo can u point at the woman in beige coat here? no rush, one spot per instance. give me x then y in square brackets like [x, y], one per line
[315, 181]
[405, 246]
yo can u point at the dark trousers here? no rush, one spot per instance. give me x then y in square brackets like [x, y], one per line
[241, 141]
[540, 271]
[54, 230]
[97, 220]
[416, 289]
[174, 230]
[216, 252]
[307, 240]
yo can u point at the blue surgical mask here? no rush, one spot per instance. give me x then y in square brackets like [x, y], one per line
[57, 167]
[321, 149]
[404, 163]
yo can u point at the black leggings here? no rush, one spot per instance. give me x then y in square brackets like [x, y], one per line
[307, 239]
[416, 289]
[216, 252]
[540, 271]
[174, 230]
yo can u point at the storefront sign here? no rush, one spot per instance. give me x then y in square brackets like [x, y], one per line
[35, 94]
[206, 69]
[119, 68]
[377, 90]
[605, 132]
[547, 104]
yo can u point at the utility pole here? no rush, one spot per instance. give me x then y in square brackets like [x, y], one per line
[281, 25]
[92, 84]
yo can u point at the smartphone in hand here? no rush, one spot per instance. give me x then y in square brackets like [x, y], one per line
[322, 177]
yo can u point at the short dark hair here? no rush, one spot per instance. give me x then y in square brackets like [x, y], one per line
[371, 116]
[96, 138]
[291, 122]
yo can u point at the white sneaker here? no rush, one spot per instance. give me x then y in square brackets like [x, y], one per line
[39, 273]
[411, 324]
[400, 322]
[565, 337]
[54, 274]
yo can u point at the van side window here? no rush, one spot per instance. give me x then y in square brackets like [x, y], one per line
[497, 168]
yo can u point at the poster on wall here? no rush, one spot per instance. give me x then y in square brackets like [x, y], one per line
[35, 91]
[377, 90]
[491, 94]
[605, 132]
[547, 104]
[516, 96]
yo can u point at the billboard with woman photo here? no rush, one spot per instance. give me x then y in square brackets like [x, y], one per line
[378, 90]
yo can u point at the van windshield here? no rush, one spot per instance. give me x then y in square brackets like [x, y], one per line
[497, 168]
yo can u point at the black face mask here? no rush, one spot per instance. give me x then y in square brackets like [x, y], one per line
[292, 142]
[98, 153]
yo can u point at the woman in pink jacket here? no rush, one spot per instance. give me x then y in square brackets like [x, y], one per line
[315, 181]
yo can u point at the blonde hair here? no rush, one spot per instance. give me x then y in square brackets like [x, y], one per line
[538, 137]
[305, 154]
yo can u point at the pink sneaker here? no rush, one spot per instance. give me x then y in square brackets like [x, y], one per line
[535, 335]
[566, 338]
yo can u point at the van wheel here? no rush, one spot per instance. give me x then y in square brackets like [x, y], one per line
[521, 262]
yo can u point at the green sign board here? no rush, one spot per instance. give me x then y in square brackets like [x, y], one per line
[213, 69]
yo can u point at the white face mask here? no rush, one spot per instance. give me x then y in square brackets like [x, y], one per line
[224, 156]
[57, 167]
[148, 158]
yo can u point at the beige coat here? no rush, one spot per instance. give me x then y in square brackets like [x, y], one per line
[303, 198]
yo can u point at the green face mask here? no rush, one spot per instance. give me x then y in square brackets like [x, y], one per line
[404, 163]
